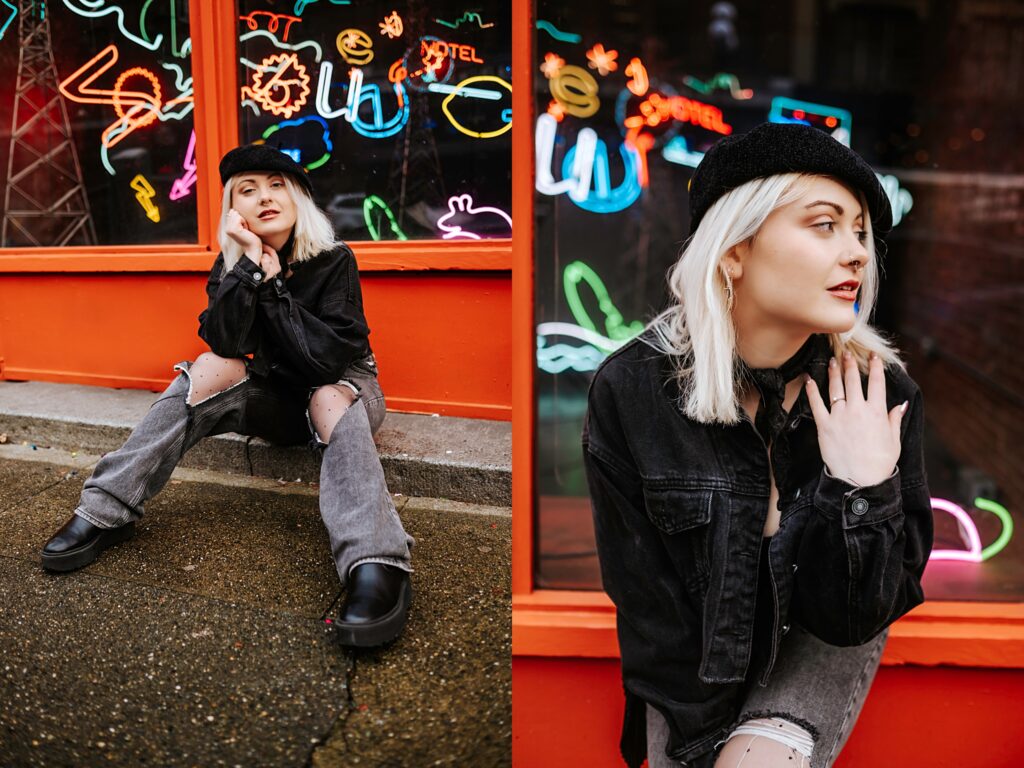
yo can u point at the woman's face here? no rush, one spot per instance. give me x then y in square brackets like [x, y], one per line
[802, 272]
[264, 202]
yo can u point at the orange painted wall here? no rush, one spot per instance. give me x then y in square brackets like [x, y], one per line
[569, 712]
[443, 340]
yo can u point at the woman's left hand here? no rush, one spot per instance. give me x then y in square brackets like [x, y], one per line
[859, 441]
[270, 262]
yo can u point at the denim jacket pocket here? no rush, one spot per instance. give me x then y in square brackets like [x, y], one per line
[683, 516]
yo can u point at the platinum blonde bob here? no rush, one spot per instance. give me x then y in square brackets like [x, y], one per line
[313, 232]
[697, 329]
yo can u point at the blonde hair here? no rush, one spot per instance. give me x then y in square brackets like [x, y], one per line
[313, 231]
[697, 330]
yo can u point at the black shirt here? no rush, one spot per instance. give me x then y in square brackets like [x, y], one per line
[302, 331]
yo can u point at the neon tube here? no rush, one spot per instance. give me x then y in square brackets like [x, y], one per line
[565, 37]
[326, 137]
[461, 128]
[180, 187]
[373, 202]
[95, 14]
[464, 204]
[468, 16]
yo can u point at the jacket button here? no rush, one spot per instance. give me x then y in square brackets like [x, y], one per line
[278, 282]
[859, 506]
[785, 628]
[258, 275]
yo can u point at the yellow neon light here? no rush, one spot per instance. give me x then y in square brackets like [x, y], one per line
[355, 46]
[145, 193]
[576, 90]
[461, 128]
[288, 102]
[601, 60]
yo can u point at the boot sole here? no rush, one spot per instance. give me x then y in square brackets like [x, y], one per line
[79, 557]
[381, 631]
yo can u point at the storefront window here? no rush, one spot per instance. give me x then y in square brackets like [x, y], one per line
[930, 94]
[401, 112]
[96, 125]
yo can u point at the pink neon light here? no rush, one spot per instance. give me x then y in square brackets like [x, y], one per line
[968, 530]
[181, 187]
[464, 204]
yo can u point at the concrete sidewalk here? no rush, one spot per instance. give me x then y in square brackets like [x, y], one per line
[423, 455]
[200, 641]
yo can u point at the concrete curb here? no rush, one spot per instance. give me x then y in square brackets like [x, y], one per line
[442, 457]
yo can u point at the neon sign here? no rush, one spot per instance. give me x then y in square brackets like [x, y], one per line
[180, 187]
[601, 60]
[145, 193]
[438, 49]
[459, 126]
[899, 198]
[722, 81]
[300, 5]
[274, 22]
[638, 80]
[325, 136]
[467, 17]
[565, 37]
[463, 204]
[786, 110]
[280, 95]
[969, 532]
[677, 151]
[392, 25]
[14, 12]
[604, 198]
[552, 65]
[355, 47]
[357, 94]
[95, 13]
[575, 89]
[372, 203]
[577, 181]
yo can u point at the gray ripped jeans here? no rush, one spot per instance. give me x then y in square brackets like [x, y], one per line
[356, 507]
[818, 686]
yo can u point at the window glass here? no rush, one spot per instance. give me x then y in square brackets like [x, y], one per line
[930, 94]
[401, 112]
[96, 126]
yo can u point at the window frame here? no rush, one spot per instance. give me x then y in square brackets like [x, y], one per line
[568, 623]
[215, 78]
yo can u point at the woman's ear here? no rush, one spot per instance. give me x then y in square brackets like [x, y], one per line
[734, 258]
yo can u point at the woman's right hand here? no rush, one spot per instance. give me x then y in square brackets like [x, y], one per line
[239, 231]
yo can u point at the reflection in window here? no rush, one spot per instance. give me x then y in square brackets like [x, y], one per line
[929, 94]
[97, 140]
[400, 112]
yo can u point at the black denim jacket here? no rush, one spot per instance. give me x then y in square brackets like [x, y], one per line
[302, 331]
[679, 512]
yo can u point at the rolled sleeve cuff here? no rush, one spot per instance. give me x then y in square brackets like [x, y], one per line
[248, 272]
[857, 506]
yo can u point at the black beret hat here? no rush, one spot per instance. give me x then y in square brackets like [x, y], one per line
[774, 148]
[260, 157]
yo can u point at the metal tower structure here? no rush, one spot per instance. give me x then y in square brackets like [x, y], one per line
[45, 203]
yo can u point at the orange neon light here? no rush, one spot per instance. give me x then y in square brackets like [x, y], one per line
[601, 60]
[273, 24]
[397, 73]
[657, 109]
[439, 49]
[556, 110]
[142, 107]
[355, 47]
[638, 84]
[552, 65]
[392, 25]
[293, 91]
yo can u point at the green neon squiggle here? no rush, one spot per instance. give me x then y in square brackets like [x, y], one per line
[1003, 514]
[616, 327]
[565, 37]
[371, 202]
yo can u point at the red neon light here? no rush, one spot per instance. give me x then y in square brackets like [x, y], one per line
[272, 25]
[438, 49]
[552, 65]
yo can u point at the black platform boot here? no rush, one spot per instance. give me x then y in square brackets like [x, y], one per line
[376, 605]
[79, 542]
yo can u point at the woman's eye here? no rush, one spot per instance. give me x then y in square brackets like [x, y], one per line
[827, 225]
[862, 236]
[276, 184]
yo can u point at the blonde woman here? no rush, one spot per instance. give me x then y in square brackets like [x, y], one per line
[755, 465]
[289, 361]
